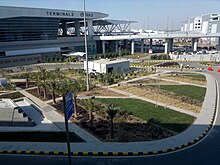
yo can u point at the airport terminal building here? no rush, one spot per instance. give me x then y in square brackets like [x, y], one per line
[32, 35]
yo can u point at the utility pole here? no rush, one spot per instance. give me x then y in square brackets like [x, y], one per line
[167, 23]
[148, 26]
[86, 50]
[67, 130]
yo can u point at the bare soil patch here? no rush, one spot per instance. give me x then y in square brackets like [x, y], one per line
[151, 81]
[100, 92]
[22, 85]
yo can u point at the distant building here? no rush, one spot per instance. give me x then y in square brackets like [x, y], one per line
[206, 23]
[107, 66]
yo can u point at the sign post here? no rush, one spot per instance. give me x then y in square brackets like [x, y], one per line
[68, 111]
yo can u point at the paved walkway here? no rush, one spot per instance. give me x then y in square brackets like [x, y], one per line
[57, 119]
[199, 126]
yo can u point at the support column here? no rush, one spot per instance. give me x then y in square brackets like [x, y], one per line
[132, 47]
[126, 45]
[77, 27]
[103, 47]
[171, 45]
[90, 30]
[168, 45]
[194, 44]
[116, 46]
[142, 45]
[218, 46]
[64, 27]
[151, 43]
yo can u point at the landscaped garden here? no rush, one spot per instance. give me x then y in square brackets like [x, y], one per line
[127, 120]
[161, 116]
[121, 119]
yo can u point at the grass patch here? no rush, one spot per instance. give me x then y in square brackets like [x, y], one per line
[198, 77]
[136, 56]
[145, 63]
[164, 117]
[194, 92]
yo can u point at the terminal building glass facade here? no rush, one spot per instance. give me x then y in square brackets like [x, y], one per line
[28, 29]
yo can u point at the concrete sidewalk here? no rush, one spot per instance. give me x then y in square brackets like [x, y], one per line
[200, 125]
[57, 119]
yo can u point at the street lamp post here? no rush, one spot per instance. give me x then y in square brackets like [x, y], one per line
[86, 51]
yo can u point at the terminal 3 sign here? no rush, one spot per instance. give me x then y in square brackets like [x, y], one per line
[55, 13]
[70, 14]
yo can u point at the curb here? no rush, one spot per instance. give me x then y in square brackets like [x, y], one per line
[165, 67]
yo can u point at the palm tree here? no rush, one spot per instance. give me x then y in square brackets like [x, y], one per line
[52, 83]
[90, 106]
[75, 90]
[27, 75]
[57, 71]
[36, 78]
[112, 112]
[43, 78]
[65, 86]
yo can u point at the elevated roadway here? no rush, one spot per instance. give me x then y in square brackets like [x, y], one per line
[169, 36]
[158, 36]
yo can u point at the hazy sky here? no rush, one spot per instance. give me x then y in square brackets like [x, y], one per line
[159, 13]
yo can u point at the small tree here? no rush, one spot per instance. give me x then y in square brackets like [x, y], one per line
[112, 112]
[90, 106]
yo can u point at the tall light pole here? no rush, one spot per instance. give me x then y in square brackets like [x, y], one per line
[86, 51]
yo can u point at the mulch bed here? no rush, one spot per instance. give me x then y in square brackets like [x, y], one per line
[11, 95]
[127, 127]
[22, 85]
[41, 96]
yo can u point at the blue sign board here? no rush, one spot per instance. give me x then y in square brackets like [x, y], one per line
[69, 105]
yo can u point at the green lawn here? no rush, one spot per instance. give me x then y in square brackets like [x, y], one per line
[165, 117]
[190, 91]
[196, 77]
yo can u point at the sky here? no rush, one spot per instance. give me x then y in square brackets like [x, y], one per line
[152, 14]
